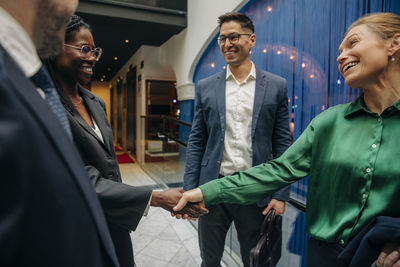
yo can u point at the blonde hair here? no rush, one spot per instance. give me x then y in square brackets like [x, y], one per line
[385, 25]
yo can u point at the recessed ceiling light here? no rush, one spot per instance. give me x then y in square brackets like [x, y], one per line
[115, 58]
[127, 41]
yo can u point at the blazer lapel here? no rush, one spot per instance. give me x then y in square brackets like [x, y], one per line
[261, 88]
[97, 111]
[75, 114]
[26, 91]
[221, 102]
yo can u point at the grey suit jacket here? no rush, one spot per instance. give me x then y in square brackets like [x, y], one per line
[270, 131]
[123, 204]
[49, 212]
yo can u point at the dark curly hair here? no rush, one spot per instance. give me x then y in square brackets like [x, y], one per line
[244, 20]
[75, 25]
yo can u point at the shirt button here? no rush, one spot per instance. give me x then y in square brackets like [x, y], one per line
[373, 145]
[342, 242]
[368, 170]
[379, 119]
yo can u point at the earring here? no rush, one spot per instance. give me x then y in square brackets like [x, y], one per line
[393, 59]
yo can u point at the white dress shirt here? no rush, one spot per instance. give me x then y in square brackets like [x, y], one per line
[239, 97]
[18, 44]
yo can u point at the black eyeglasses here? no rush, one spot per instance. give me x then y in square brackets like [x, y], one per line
[86, 50]
[233, 38]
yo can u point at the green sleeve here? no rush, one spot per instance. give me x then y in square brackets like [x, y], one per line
[254, 184]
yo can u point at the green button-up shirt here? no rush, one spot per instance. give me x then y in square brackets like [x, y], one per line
[352, 157]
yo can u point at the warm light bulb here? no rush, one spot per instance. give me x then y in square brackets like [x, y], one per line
[265, 51]
[115, 58]
[213, 65]
[269, 8]
[303, 65]
[312, 76]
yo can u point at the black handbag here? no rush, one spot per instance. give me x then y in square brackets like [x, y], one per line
[267, 252]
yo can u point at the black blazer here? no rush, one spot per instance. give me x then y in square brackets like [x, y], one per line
[49, 212]
[123, 204]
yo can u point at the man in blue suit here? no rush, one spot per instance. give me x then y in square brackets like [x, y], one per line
[241, 120]
[49, 213]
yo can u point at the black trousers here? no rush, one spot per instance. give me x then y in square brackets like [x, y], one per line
[320, 253]
[214, 226]
[123, 245]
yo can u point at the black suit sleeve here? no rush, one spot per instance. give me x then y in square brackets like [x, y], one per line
[123, 205]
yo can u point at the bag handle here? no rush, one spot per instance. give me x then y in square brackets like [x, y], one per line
[267, 224]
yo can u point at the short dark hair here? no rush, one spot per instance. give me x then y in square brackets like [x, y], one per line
[75, 24]
[244, 20]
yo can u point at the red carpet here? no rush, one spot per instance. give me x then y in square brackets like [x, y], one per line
[117, 148]
[124, 158]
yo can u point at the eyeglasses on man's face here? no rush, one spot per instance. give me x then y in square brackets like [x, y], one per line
[233, 38]
[86, 50]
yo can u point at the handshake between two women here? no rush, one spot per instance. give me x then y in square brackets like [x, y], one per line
[190, 206]
[184, 205]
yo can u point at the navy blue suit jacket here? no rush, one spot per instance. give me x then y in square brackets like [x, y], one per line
[270, 132]
[365, 247]
[49, 212]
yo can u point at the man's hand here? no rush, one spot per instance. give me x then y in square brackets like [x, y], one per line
[277, 205]
[195, 199]
[389, 256]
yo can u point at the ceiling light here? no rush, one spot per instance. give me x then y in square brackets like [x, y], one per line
[115, 58]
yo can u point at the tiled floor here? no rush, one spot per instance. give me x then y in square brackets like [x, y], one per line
[161, 240]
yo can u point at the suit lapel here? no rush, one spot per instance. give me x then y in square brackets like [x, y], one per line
[221, 102]
[261, 88]
[27, 93]
[92, 109]
[95, 111]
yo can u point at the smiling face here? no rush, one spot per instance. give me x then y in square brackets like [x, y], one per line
[364, 57]
[71, 64]
[236, 54]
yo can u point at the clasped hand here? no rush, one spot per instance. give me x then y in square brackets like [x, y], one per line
[172, 198]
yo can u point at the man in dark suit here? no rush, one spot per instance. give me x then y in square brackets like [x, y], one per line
[224, 139]
[49, 213]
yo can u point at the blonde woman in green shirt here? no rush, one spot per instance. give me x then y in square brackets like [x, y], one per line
[350, 151]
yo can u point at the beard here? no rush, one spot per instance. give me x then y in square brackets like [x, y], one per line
[49, 27]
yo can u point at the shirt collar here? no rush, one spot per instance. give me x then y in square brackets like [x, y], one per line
[252, 73]
[359, 104]
[18, 44]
